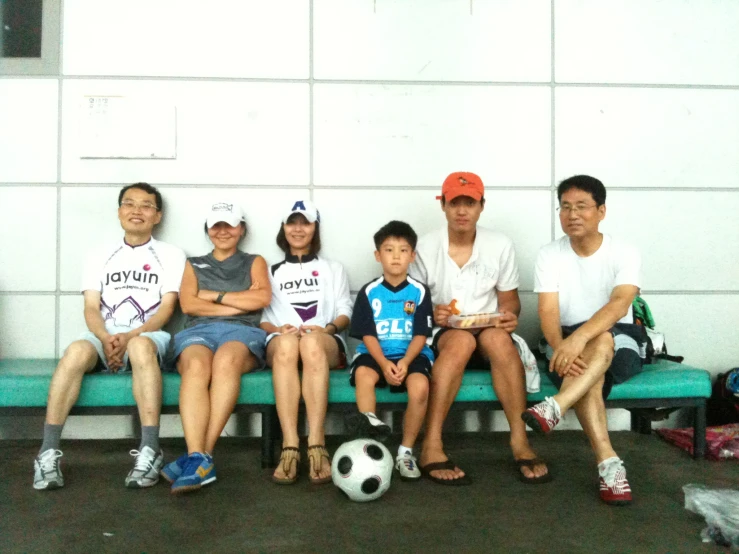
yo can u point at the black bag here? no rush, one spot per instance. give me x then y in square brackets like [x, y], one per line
[723, 406]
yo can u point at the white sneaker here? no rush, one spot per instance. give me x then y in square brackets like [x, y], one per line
[145, 472]
[407, 466]
[47, 475]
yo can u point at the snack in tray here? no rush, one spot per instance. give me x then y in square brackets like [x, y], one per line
[474, 321]
[453, 307]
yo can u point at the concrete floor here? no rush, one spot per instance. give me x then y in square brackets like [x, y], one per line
[245, 512]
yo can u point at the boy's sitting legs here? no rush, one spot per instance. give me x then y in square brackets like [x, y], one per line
[364, 378]
[418, 395]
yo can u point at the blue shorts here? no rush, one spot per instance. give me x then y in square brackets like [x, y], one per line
[159, 338]
[215, 334]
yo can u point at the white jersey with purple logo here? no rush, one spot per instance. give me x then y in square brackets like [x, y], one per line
[132, 280]
[309, 291]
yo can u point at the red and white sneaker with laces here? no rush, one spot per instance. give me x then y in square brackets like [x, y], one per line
[542, 417]
[614, 487]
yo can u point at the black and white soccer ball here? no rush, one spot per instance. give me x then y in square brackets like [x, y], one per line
[362, 469]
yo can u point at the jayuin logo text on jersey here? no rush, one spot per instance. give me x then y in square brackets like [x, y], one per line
[138, 276]
[294, 285]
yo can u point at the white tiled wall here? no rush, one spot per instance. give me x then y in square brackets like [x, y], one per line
[365, 106]
[228, 133]
[28, 130]
[685, 42]
[648, 137]
[187, 38]
[418, 40]
[406, 136]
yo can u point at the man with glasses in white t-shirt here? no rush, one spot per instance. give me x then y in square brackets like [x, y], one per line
[130, 291]
[476, 267]
[587, 281]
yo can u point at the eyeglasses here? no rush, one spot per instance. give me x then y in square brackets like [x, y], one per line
[144, 206]
[578, 208]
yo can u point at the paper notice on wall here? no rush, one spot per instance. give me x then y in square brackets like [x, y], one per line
[127, 128]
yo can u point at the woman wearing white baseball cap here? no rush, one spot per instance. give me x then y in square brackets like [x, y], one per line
[222, 296]
[310, 308]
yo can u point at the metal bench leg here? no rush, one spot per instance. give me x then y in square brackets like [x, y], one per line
[269, 420]
[640, 423]
[699, 432]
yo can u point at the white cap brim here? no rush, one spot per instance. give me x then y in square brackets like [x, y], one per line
[307, 215]
[232, 220]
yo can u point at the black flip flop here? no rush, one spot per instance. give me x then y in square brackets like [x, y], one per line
[546, 478]
[434, 466]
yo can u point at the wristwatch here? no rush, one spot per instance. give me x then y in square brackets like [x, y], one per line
[336, 328]
[220, 297]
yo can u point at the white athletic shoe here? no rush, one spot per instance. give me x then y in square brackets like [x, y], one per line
[145, 472]
[47, 475]
[407, 467]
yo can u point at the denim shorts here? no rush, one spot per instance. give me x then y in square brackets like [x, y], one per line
[213, 335]
[159, 338]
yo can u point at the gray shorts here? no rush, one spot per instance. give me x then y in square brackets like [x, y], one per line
[159, 338]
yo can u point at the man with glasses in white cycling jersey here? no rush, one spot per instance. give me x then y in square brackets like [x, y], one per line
[130, 291]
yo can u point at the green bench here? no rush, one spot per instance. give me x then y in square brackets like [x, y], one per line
[24, 385]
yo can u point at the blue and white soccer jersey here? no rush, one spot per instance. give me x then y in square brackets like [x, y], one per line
[394, 315]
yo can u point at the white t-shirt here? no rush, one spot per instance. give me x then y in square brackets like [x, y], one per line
[585, 284]
[133, 280]
[492, 267]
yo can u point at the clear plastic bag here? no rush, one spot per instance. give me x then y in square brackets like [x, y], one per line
[720, 508]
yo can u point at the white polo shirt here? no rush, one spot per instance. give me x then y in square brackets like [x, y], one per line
[492, 267]
[132, 280]
[585, 284]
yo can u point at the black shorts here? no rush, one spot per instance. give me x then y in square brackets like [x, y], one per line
[342, 354]
[625, 364]
[476, 361]
[419, 365]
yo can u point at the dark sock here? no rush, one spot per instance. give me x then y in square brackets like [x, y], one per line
[52, 437]
[150, 437]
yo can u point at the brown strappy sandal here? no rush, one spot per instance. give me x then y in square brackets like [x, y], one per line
[288, 456]
[316, 454]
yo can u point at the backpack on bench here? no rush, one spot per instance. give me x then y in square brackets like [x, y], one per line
[656, 345]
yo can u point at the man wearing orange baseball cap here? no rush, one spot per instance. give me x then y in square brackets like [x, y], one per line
[474, 270]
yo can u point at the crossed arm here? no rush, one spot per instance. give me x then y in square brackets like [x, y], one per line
[203, 302]
[567, 358]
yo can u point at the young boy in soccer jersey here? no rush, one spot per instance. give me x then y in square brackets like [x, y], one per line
[392, 317]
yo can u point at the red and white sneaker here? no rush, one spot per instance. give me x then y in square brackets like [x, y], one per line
[614, 487]
[542, 417]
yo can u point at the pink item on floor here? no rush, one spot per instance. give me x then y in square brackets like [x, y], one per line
[722, 441]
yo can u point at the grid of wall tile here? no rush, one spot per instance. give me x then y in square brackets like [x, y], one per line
[365, 105]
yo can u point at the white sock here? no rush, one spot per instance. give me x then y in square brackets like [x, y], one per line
[404, 450]
[604, 465]
[553, 403]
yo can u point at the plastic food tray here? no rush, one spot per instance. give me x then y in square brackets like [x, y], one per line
[473, 321]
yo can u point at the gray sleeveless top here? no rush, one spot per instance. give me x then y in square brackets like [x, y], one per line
[231, 275]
